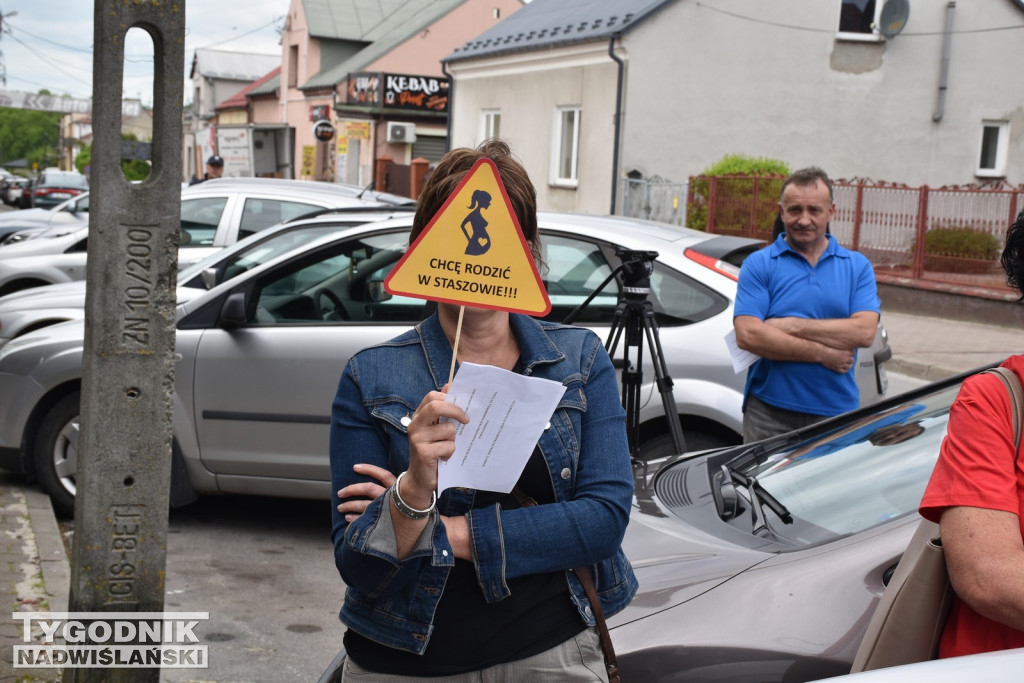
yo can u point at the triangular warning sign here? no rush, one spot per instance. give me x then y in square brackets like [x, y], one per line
[473, 252]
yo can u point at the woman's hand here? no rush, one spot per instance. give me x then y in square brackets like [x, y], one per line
[364, 492]
[431, 440]
[457, 530]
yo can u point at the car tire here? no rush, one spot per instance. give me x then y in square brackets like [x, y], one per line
[56, 453]
[56, 459]
[662, 445]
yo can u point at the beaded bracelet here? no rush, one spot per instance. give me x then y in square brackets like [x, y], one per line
[405, 509]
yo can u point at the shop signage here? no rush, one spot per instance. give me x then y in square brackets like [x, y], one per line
[398, 91]
[323, 131]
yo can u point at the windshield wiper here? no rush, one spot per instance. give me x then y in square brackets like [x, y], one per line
[759, 500]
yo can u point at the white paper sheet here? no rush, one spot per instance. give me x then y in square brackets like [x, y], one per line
[507, 415]
[741, 358]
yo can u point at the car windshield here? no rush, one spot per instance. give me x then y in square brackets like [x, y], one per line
[859, 471]
[858, 475]
[66, 180]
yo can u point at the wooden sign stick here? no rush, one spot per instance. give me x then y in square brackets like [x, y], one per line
[455, 348]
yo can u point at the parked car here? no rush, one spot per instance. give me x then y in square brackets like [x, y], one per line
[261, 353]
[42, 222]
[13, 187]
[214, 214]
[765, 561]
[16, 226]
[1003, 666]
[32, 309]
[53, 187]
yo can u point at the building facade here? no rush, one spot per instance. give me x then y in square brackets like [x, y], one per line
[374, 73]
[589, 92]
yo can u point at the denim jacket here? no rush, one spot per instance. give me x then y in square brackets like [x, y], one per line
[392, 601]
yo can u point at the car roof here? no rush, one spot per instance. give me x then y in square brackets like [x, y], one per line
[295, 187]
[609, 226]
[344, 215]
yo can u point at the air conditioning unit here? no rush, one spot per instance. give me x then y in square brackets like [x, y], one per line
[401, 132]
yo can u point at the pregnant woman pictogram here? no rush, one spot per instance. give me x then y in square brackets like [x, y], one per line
[479, 240]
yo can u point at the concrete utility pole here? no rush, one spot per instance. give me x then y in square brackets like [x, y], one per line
[124, 459]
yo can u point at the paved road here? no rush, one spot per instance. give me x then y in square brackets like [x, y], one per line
[264, 570]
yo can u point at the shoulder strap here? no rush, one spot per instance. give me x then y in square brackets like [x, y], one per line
[1012, 383]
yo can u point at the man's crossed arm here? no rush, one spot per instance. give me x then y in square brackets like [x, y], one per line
[831, 342]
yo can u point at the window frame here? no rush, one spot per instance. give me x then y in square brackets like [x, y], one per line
[855, 36]
[1002, 149]
[486, 128]
[558, 140]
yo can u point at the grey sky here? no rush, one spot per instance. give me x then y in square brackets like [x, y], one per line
[48, 43]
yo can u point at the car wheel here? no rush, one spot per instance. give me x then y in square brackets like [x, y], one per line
[56, 459]
[662, 446]
[56, 455]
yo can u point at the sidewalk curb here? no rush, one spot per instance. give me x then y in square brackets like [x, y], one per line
[53, 559]
[921, 370]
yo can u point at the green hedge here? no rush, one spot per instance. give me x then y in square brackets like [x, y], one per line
[734, 192]
[959, 250]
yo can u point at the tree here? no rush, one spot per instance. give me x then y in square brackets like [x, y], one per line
[133, 169]
[33, 135]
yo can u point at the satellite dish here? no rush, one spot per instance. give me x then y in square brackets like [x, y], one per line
[894, 17]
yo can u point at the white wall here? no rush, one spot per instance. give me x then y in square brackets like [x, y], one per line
[527, 89]
[703, 84]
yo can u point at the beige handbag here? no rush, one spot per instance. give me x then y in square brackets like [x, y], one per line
[908, 622]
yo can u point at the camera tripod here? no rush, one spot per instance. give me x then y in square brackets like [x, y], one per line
[634, 322]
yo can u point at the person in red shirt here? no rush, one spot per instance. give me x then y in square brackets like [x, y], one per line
[976, 494]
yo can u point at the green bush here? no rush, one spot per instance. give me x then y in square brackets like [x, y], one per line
[963, 242]
[734, 193]
[133, 169]
[947, 250]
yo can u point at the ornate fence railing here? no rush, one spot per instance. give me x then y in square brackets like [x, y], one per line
[951, 235]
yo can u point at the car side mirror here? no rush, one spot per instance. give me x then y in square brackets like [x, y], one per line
[209, 276]
[232, 313]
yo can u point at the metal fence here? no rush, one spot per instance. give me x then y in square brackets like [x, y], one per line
[655, 199]
[950, 235]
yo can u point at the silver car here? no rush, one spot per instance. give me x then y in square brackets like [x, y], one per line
[73, 213]
[260, 355]
[1001, 666]
[32, 309]
[214, 214]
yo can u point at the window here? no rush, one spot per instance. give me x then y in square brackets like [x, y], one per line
[858, 19]
[490, 124]
[995, 139]
[259, 214]
[573, 269]
[565, 152]
[342, 283]
[293, 66]
[199, 220]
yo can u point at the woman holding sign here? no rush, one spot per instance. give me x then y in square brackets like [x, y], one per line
[478, 585]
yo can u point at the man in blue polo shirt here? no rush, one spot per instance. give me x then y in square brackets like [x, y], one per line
[804, 305]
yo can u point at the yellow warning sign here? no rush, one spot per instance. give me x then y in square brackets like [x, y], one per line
[473, 252]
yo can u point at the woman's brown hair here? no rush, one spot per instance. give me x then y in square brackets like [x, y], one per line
[452, 170]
